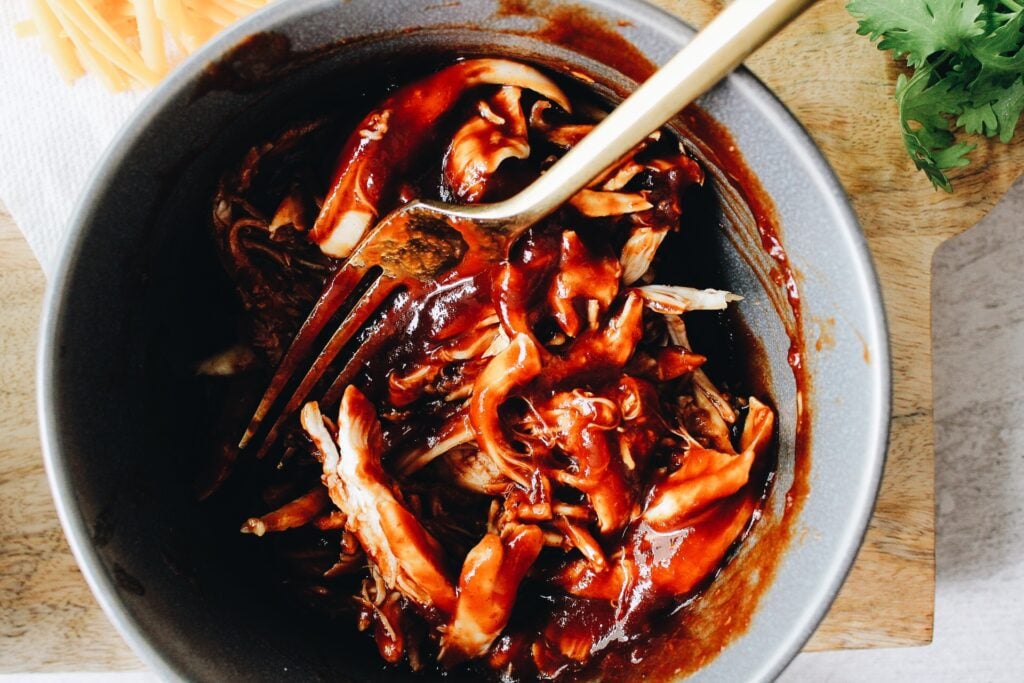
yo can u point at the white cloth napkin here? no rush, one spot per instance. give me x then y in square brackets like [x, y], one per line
[51, 135]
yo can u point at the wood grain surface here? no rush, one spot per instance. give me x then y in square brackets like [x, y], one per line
[840, 88]
[49, 620]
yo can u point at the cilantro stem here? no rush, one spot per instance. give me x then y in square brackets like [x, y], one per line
[1013, 6]
[922, 73]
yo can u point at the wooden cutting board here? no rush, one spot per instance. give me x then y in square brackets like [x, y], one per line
[840, 87]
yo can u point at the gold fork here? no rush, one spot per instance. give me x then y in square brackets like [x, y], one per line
[421, 240]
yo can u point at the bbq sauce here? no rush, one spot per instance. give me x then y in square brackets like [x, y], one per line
[736, 363]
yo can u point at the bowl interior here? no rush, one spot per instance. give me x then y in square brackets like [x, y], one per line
[140, 296]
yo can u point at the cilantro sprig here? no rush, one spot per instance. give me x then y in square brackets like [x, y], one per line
[967, 58]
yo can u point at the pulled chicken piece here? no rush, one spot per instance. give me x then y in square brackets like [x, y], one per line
[513, 367]
[694, 517]
[408, 558]
[498, 132]
[707, 475]
[582, 276]
[490, 578]
[583, 426]
[299, 512]
[389, 137]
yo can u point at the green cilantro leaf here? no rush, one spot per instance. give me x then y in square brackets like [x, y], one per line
[1002, 50]
[1008, 105]
[925, 129]
[918, 28]
[979, 119]
[968, 73]
[927, 103]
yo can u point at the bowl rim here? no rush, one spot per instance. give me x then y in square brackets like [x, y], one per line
[181, 79]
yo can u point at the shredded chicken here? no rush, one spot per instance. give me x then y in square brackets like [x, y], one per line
[408, 558]
[373, 159]
[597, 204]
[487, 591]
[497, 133]
[708, 475]
[581, 276]
[474, 471]
[677, 300]
[514, 366]
[534, 462]
[638, 252]
[582, 426]
[299, 512]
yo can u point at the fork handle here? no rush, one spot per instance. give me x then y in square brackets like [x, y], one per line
[732, 35]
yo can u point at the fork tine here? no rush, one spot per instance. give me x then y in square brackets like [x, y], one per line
[342, 284]
[347, 372]
[368, 304]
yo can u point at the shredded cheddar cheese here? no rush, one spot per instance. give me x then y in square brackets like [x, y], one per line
[126, 43]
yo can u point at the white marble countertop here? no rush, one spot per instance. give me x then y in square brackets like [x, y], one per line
[978, 338]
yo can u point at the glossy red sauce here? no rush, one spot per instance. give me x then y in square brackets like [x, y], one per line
[698, 633]
[686, 625]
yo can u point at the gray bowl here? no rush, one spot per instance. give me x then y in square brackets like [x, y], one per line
[132, 302]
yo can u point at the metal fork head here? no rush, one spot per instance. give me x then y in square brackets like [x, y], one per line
[421, 240]
[411, 247]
